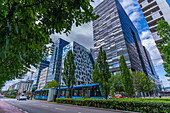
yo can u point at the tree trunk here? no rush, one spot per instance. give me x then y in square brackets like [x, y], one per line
[71, 91]
[106, 96]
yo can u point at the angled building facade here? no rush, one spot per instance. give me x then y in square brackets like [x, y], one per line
[116, 34]
[84, 63]
[56, 60]
[43, 65]
[154, 76]
[155, 10]
[43, 78]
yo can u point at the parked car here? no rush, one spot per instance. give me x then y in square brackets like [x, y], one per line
[21, 97]
[118, 96]
[1, 96]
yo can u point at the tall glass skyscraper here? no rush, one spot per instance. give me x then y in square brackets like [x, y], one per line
[115, 32]
[56, 60]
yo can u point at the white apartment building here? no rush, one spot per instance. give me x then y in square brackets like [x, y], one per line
[155, 10]
[43, 78]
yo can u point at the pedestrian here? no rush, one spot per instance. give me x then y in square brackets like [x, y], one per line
[31, 96]
[159, 95]
[28, 97]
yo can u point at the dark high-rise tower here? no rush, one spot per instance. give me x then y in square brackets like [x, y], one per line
[115, 32]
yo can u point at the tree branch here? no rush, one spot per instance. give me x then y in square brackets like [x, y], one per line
[34, 4]
[10, 14]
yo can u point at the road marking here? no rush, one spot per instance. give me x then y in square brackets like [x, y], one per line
[44, 106]
[79, 112]
[60, 109]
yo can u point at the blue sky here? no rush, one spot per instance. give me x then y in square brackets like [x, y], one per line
[84, 36]
[168, 1]
[136, 15]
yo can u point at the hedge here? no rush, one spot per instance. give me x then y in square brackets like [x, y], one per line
[163, 100]
[11, 96]
[144, 107]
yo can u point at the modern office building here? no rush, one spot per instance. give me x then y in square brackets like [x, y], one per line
[54, 71]
[84, 63]
[22, 86]
[35, 77]
[43, 78]
[155, 10]
[92, 52]
[116, 34]
[43, 64]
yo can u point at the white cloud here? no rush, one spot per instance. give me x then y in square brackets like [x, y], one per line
[145, 35]
[82, 34]
[135, 16]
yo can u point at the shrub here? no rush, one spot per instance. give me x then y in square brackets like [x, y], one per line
[137, 106]
[11, 96]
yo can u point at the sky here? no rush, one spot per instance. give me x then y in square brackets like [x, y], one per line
[84, 36]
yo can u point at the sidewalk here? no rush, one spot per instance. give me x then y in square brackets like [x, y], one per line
[6, 108]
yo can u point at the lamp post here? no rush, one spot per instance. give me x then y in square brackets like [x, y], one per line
[59, 82]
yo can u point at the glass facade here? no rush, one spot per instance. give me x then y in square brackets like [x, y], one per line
[108, 34]
[83, 61]
[43, 65]
[154, 76]
[56, 60]
[115, 32]
[132, 39]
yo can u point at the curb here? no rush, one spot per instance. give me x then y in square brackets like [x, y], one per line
[98, 108]
[90, 107]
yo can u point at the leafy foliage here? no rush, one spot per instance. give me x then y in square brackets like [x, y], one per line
[52, 84]
[101, 73]
[10, 96]
[126, 77]
[117, 85]
[69, 70]
[121, 104]
[142, 83]
[26, 26]
[95, 73]
[163, 30]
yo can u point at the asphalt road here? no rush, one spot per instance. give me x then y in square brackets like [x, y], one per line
[34, 106]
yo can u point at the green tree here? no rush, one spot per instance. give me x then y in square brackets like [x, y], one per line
[101, 73]
[117, 85]
[95, 73]
[2, 81]
[126, 77]
[69, 71]
[148, 85]
[142, 83]
[26, 26]
[52, 84]
[163, 30]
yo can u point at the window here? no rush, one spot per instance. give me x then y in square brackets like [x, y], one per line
[95, 92]
[44, 93]
[80, 93]
[160, 12]
[75, 92]
[63, 93]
